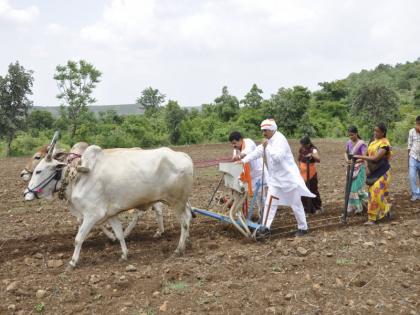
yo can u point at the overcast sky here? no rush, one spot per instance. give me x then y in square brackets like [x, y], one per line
[189, 49]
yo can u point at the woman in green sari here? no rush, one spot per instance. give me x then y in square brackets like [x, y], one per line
[358, 197]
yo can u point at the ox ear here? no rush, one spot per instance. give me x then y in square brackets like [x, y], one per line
[59, 165]
[60, 155]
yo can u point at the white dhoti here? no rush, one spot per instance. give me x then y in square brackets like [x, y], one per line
[278, 197]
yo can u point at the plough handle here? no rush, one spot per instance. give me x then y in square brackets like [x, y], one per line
[349, 181]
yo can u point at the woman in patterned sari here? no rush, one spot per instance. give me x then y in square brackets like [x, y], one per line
[358, 197]
[378, 175]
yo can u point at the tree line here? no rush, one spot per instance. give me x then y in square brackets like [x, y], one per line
[389, 94]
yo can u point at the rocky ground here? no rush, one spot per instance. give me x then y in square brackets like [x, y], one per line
[334, 270]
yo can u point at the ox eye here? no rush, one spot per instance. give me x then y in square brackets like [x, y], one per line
[38, 172]
[37, 158]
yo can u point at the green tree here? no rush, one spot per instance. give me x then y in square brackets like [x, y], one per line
[39, 120]
[374, 103]
[332, 91]
[76, 82]
[289, 106]
[110, 117]
[15, 87]
[174, 115]
[191, 131]
[151, 100]
[227, 106]
[416, 97]
[253, 98]
[249, 120]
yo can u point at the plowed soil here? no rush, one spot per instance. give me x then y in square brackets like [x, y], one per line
[335, 269]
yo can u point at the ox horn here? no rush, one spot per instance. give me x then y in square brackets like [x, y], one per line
[52, 145]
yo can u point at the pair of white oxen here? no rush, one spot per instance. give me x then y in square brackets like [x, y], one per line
[117, 180]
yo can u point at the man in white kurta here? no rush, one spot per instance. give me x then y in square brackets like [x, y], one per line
[285, 184]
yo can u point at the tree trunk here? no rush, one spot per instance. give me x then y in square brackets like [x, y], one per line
[9, 144]
[73, 128]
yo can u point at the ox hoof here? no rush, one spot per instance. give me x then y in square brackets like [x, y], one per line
[188, 243]
[70, 268]
[178, 253]
[158, 234]
[124, 257]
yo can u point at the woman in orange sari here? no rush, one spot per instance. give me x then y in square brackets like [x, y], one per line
[378, 175]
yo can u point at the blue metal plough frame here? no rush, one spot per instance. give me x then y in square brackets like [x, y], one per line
[223, 218]
[226, 219]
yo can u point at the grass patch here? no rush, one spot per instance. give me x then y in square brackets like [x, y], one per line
[150, 311]
[276, 269]
[344, 247]
[200, 283]
[203, 301]
[39, 308]
[176, 287]
[343, 261]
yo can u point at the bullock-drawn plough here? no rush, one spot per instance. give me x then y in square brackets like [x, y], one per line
[240, 216]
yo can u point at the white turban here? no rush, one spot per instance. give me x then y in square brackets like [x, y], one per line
[269, 124]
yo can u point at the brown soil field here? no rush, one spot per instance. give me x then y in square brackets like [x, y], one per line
[337, 269]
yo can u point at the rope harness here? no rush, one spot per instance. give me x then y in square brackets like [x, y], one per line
[70, 175]
[37, 189]
[71, 156]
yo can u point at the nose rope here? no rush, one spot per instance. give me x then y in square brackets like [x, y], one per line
[37, 189]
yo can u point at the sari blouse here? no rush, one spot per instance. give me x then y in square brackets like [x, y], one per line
[360, 151]
[378, 144]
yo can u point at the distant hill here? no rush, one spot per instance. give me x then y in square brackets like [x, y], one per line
[402, 78]
[121, 109]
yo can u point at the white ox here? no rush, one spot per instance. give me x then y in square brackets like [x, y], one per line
[72, 158]
[119, 180]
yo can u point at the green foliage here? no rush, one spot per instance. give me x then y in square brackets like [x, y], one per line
[416, 97]
[15, 87]
[249, 120]
[374, 103]
[151, 100]
[26, 144]
[399, 134]
[253, 98]
[226, 105]
[191, 131]
[110, 117]
[386, 93]
[76, 82]
[173, 118]
[289, 106]
[332, 91]
[39, 120]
